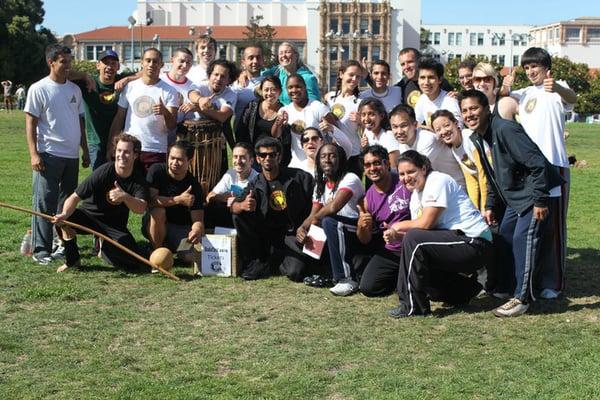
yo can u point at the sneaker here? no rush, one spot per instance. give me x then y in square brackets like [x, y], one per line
[58, 253]
[344, 287]
[512, 308]
[549, 294]
[400, 311]
[42, 260]
[501, 295]
[256, 269]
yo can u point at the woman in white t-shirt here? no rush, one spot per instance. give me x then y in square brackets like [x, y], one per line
[376, 128]
[443, 245]
[300, 114]
[337, 193]
[343, 102]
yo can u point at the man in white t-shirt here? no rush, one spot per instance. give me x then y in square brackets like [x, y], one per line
[252, 64]
[206, 50]
[380, 89]
[231, 185]
[542, 108]
[435, 98]
[410, 137]
[55, 131]
[148, 111]
[176, 77]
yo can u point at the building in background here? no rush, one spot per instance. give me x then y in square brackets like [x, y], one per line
[325, 32]
[578, 39]
[503, 44]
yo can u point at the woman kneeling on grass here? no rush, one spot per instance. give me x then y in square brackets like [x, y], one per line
[446, 239]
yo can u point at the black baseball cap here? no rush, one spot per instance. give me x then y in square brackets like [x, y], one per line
[108, 53]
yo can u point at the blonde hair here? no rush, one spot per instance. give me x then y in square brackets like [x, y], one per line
[488, 70]
[299, 62]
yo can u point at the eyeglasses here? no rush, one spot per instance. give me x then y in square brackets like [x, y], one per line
[271, 154]
[307, 139]
[486, 79]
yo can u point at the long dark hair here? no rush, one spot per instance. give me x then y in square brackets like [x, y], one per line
[341, 70]
[337, 175]
[417, 159]
[379, 108]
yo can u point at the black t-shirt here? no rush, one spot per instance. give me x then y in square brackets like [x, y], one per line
[94, 193]
[277, 216]
[158, 178]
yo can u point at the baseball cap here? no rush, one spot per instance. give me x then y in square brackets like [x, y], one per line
[108, 53]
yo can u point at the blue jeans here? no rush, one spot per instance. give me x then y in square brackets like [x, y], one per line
[97, 155]
[50, 189]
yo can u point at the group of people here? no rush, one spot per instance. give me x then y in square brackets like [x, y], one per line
[19, 94]
[435, 192]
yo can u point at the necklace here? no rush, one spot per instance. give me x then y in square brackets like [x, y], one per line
[268, 114]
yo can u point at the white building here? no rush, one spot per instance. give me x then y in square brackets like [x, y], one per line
[326, 32]
[503, 44]
[577, 39]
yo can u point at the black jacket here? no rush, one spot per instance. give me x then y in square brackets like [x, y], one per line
[298, 187]
[521, 176]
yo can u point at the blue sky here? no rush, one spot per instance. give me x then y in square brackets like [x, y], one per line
[73, 16]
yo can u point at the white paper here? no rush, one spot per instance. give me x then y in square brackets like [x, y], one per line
[315, 242]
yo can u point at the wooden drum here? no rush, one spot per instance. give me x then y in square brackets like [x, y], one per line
[206, 138]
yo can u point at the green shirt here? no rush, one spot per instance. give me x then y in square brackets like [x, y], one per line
[100, 109]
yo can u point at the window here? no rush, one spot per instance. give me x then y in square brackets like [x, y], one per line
[364, 25]
[450, 56]
[573, 34]
[376, 25]
[127, 52]
[345, 53]
[375, 53]
[364, 52]
[472, 39]
[333, 53]
[346, 25]
[501, 59]
[502, 40]
[333, 24]
[551, 34]
[89, 53]
[137, 51]
[459, 38]
[458, 57]
[593, 34]
[451, 39]
[516, 40]
[557, 34]
[430, 38]
[515, 61]
[480, 39]
[436, 38]
[494, 58]
[494, 40]
[223, 52]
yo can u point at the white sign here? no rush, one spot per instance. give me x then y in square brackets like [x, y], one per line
[216, 255]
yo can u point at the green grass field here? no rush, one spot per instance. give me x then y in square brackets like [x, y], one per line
[102, 333]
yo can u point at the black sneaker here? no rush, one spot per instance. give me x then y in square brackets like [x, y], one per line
[256, 269]
[400, 311]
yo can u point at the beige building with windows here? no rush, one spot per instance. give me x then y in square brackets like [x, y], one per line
[578, 39]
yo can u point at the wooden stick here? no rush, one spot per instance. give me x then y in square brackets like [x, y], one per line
[93, 232]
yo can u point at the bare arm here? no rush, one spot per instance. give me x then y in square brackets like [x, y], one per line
[69, 207]
[85, 157]
[31, 133]
[364, 228]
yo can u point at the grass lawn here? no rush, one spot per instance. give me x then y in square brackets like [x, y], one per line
[102, 333]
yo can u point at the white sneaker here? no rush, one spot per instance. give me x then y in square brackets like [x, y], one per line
[549, 294]
[512, 308]
[344, 288]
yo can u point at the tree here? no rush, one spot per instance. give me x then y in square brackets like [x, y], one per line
[23, 41]
[84, 66]
[424, 39]
[589, 102]
[261, 35]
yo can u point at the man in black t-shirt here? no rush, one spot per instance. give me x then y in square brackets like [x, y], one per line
[101, 95]
[108, 194]
[177, 197]
[271, 207]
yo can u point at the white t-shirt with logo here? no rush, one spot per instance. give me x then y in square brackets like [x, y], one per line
[341, 107]
[57, 106]
[350, 182]
[459, 212]
[226, 98]
[309, 116]
[441, 156]
[425, 107]
[230, 183]
[138, 98]
[390, 98]
[384, 138]
[182, 89]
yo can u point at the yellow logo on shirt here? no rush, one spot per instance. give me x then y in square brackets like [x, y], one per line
[107, 97]
[142, 106]
[298, 126]
[413, 97]
[338, 110]
[530, 105]
[277, 201]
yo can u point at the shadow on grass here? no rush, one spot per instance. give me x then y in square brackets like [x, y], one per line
[583, 279]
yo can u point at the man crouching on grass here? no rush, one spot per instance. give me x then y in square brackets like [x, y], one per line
[108, 195]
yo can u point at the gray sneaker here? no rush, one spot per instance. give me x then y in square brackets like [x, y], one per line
[42, 260]
[344, 287]
[58, 253]
[512, 308]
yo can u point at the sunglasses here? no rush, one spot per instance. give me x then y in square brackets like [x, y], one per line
[486, 79]
[272, 154]
[373, 164]
[307, 139]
